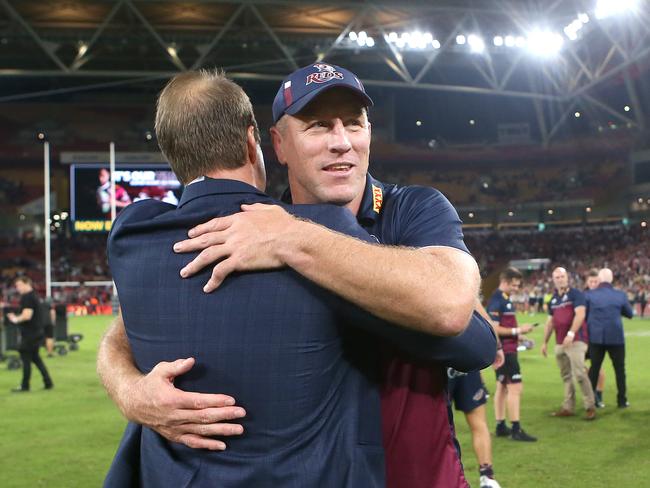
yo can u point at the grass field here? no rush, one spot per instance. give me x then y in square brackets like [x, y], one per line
[66, 437]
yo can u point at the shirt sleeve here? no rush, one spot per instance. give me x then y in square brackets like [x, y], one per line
[27, 301]
[579, 299]
[428, 219]
[472, 350]
[494, 309]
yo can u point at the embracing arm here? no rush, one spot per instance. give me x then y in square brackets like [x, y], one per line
[431, 289]
[152, 400]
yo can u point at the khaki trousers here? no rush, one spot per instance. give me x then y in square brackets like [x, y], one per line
[571, 360]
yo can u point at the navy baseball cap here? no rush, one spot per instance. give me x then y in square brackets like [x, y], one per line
[304, 84]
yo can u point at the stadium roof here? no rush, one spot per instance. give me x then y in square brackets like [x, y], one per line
[559, 54]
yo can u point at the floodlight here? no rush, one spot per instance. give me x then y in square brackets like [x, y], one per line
[626, 108]
[545, 43]
[509, 41]
[476, 44]
[352, 35]
[520, 41]
[370, 42]
[607, 8]
[436, 44]
[498, 41]
[571, 34]
[584, 18]
[460, 39]
[392, 37]
[83, 49]
[577, 115]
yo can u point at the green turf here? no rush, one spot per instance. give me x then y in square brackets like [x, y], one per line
[66, 437]
[612, 450]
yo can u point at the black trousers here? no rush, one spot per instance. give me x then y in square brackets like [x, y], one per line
[617, 355]
[28, 357]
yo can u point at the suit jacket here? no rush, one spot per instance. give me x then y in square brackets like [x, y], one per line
[276, 342]
[605, 306]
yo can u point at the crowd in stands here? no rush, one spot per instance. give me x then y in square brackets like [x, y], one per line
[81, 258]
[10, 191]
[535, 183]
[625, 250]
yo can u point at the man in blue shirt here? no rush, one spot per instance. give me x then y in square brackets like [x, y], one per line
[605, 306]
[425, 280]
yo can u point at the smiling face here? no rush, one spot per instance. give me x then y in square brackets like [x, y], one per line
[326, 148]
[510, 286]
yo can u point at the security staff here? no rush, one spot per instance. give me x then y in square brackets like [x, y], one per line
[30, 321]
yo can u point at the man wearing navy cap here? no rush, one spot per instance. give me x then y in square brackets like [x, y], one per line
[422, 278]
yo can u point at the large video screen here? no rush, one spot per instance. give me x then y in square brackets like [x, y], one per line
[90, 191]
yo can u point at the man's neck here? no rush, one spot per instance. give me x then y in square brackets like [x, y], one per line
[244, 174]
[563, 290]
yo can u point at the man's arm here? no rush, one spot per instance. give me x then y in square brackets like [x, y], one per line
[627, 310]
[471, 350]
[578, 320]
[152, 400]
[431, 290]
[499, 358]
[24, 316]
[548, 331]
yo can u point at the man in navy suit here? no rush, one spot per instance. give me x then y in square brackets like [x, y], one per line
[275, 340]
[605, 306]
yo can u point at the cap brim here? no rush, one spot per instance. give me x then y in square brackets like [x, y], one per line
[301, 103]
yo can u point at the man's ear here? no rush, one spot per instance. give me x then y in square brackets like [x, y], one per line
[276, 139]
[251, 145]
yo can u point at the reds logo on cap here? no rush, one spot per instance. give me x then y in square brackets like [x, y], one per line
[325, 73]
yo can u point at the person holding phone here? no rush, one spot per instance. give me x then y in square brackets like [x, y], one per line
[509, 380]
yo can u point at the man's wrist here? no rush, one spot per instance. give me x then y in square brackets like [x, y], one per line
[571, 334]
[292, 249]
[125, 396]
